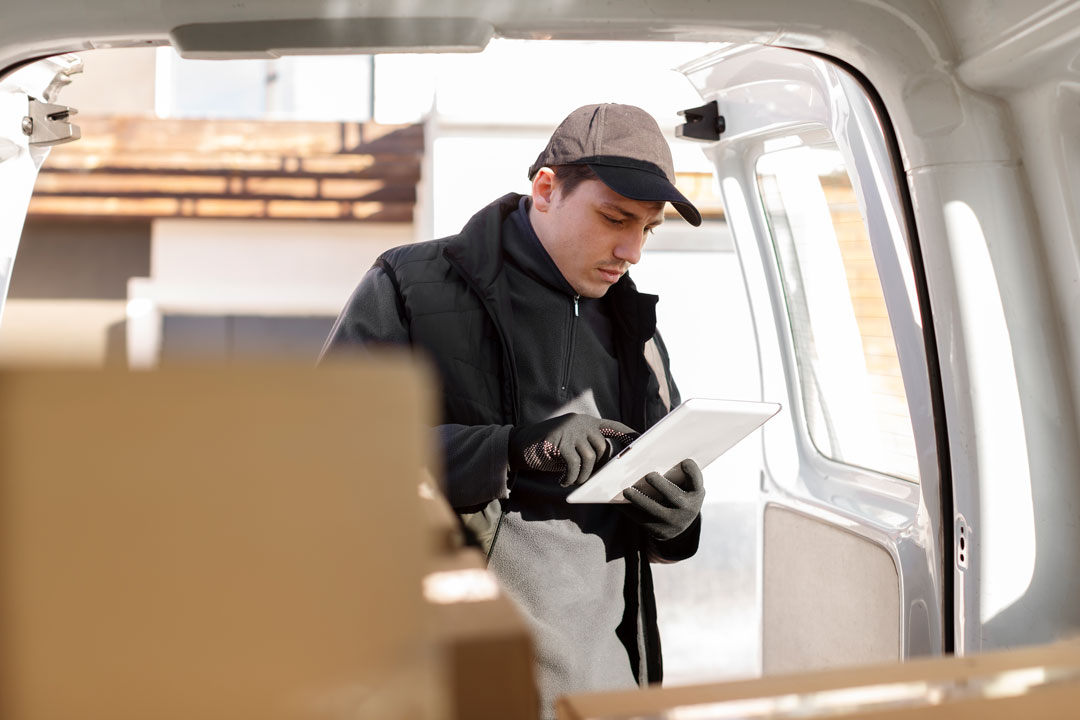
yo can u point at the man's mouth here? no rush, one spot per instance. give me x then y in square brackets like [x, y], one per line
[611, 275]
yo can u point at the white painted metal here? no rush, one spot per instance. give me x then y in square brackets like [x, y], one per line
[982, 95]
[773, 97]
[1031, 236]
[20, 159]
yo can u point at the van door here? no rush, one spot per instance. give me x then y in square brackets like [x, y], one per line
[30, 124]
[852, 546]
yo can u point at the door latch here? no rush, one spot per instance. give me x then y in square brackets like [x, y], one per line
[49, 124]
[962, 535]
[703, 123]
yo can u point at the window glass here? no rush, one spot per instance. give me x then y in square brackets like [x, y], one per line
[849, 373]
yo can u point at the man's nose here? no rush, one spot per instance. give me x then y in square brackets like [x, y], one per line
[629, 249]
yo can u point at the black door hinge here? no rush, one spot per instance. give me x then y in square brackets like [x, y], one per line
[703, 123]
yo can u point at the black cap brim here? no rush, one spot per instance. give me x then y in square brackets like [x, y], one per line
[647, 186]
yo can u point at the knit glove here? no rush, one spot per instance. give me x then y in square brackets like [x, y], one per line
[666, 505]
[572, 445]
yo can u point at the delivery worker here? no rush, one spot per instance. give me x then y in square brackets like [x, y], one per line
[546, 350]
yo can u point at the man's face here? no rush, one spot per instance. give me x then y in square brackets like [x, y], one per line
[594, 235]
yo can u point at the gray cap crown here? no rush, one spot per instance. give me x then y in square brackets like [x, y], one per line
[608, 134]
[623, 145]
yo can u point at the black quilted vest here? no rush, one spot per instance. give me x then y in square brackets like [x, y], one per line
[457, 309]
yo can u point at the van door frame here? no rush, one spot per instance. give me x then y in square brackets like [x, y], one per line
[924, 564]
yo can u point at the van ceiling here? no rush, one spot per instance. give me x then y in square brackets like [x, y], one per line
[848, 29]
[882, 38]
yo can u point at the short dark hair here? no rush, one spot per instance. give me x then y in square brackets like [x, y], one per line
[570, 176]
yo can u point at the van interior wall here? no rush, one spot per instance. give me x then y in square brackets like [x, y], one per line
[1022, 57]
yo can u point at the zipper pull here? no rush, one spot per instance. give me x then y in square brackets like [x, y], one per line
[576, 297]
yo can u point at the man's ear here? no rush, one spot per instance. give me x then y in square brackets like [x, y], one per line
[543, 189]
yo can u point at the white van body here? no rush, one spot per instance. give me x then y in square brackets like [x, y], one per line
[959, 125]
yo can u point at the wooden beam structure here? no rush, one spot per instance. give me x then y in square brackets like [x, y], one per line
[143, 167]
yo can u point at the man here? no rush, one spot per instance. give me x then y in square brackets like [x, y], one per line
[546, 351]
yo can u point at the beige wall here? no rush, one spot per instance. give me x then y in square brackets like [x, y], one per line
[62, 332]
[282, 256]
[70, 291]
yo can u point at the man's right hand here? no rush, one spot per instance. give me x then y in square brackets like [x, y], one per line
[571, 442]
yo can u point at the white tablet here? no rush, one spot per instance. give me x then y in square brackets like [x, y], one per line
[699, 428]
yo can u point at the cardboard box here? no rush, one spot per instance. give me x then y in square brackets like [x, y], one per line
[444, 529]
[215, 543]
[486, 645]
[1036, 682]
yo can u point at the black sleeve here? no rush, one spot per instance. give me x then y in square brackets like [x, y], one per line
[677, 548]
[475, 456]
[373, 315]
[477, 469]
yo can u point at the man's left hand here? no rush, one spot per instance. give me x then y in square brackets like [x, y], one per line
[666, 505]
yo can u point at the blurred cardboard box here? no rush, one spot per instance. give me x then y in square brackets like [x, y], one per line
[444, 529]
[487, 647]
[215, 543]
[1036, 682]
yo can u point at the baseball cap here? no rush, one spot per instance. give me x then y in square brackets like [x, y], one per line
[623, 145]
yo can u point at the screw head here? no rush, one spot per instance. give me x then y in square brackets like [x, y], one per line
[28, 125]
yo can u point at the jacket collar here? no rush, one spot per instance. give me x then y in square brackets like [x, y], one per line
[477, 253]
[523, 249]
[635, 311]
[477, 250]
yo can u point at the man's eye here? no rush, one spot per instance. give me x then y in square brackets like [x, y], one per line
[612, 220]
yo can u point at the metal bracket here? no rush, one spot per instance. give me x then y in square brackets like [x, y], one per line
[703, 123]
[49, 124]
[66, 66]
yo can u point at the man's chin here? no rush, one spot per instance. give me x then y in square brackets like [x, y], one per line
[594, 291]
[594, 285]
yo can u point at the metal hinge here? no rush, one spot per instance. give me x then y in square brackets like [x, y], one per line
[703, 123]
[49, 124]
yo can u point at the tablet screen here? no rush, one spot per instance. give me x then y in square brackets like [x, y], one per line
[700, 428]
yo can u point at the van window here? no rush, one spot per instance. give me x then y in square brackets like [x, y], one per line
[853, 401]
